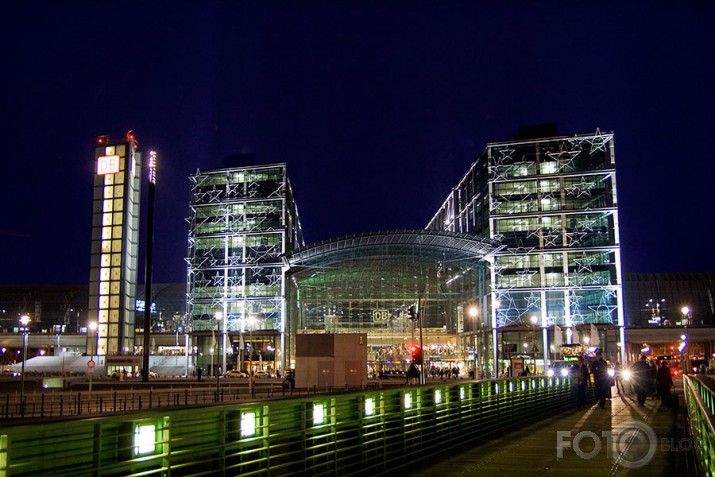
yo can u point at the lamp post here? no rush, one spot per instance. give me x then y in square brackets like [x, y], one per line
[534, 320]
[219, 317]
[95, 329]
[686, 319]
[473, 314]
[24, 321]
[220, 321]
[250, 321]
[495, 338]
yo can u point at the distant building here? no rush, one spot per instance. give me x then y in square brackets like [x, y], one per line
[658, 299]
[242, 221]
[115, 244]
[552, 202]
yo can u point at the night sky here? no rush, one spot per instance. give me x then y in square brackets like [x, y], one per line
[378, 109]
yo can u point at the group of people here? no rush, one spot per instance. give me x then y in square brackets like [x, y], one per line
[649, 378]
[646, 378]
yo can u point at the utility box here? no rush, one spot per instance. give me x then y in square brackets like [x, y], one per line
[331, 360]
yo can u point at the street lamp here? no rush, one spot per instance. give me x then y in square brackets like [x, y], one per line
[686, 319]
[534, 320]
[221, 321]
[92, 325]
[473, 313]
[251, 321]
[24, 321]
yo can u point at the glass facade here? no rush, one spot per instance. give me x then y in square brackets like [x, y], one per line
[242, 220]
[552, 202]
[114, 248]
[369, 283]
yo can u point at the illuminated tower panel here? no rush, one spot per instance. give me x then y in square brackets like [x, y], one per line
[114, 248]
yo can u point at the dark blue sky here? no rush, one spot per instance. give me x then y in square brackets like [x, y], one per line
[378, 108]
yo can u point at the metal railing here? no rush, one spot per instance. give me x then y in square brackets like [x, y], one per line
[700, 401]
[48, 404]
[376, 432]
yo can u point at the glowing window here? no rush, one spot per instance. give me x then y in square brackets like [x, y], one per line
[144, 439]
[408, 401]
[248, 424]
[318, 414]
[369, 406]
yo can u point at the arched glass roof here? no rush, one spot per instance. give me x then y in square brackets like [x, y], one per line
[401, 243]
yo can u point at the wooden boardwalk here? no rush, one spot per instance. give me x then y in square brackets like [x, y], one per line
[576, 443]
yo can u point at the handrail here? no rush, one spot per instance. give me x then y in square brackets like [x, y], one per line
[700, 401]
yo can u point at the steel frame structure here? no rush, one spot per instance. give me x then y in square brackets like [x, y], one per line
[242, 220]
[552, 202]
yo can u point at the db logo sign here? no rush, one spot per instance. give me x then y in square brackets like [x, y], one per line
[107, 165]
[380, 316]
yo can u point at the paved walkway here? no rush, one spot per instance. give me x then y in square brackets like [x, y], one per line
[576, 443]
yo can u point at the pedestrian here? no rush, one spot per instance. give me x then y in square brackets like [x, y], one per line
[618, 368]
[664, 381]
[601, 379]
[580, 377]
[199, 372]
[652, 376]
[641, 378]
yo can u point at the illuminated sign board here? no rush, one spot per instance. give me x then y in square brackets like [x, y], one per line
[107, 165]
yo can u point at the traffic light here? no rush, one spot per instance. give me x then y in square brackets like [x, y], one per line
[416, 354]
[412, 312]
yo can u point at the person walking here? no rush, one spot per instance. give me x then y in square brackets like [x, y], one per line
[580, 377]
[601, 379]
[664, 381]
[641, 378]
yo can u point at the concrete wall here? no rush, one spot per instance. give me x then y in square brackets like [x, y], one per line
[331, 360]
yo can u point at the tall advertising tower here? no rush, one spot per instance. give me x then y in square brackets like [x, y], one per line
[114, 249]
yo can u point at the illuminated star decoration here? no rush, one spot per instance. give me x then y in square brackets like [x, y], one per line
[603, 308]
[574, 238]
[525, 276]
[581, 188]
[505, 155]
[564, 158]
[552, 239]
[586, 224]
[533, 301]
[597, 142]
[585, 263]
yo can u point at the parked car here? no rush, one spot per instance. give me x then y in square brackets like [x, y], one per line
[236, 373]
[262, 374]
